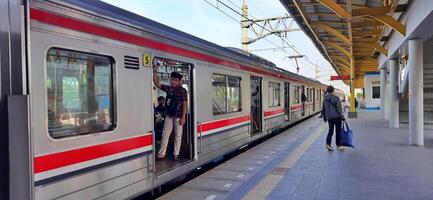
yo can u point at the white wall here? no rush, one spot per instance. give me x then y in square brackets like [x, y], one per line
[370, 81]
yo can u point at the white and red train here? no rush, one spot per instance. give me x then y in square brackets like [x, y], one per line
[80, 103]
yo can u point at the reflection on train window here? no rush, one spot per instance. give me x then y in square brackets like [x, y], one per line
[376, 92]
[296, 95]
[226, 94]
[310, 97]
[79, 93]
[233, 94]
[274, 94]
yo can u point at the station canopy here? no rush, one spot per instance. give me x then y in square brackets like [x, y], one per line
[343, 30]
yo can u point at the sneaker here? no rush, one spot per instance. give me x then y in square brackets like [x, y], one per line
[160, 157]
[329, 147]
[175, 158]
[340, 147]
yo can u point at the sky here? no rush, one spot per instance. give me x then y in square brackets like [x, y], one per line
[198, 18]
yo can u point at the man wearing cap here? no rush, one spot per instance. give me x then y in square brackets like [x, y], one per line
[176, 108]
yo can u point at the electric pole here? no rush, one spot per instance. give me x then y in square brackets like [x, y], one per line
[244, 25]
[262, 28]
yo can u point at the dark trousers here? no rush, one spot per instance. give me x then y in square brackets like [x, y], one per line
[336, 122]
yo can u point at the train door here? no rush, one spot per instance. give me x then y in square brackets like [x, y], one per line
[174, 144]
[287, 100]
[303, 99]
[256, 104]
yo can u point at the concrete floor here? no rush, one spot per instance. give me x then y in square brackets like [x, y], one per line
[382, 166]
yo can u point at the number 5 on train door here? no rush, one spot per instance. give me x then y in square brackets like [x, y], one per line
[146, 60]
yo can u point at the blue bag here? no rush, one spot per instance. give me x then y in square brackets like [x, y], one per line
[346, 136]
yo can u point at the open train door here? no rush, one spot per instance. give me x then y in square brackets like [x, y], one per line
[256, 104]
[164, 67]
[287, 101]
[303, 100]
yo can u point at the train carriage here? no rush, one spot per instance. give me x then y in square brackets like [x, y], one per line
[91, 121]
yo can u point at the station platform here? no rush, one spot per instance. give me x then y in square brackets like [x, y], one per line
[295, 165]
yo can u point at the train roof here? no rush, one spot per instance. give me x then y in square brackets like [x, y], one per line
[169, 32]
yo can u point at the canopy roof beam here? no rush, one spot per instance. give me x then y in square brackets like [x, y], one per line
[336, 46]
[331, 31]
[366, 33]
[379, 48]
[335, 7]
[371, 11]
[391, 22]
[342, 60]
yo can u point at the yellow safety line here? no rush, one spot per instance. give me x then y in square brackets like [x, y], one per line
[267, 184]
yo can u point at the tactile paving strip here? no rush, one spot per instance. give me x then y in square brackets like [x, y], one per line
[225, 179]
[267, 184]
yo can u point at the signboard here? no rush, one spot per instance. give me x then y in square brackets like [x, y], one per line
[147, 60]
[342, 77]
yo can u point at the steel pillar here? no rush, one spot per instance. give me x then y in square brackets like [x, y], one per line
[416, 93]
[352, 113]
[383, 75]
[393, 94]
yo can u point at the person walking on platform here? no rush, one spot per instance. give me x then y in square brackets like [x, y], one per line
[333, 114]
[175, 109]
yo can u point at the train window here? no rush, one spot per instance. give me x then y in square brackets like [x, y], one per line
[376, 92]
[296, 95]
[233, 94]
[274, 94]
[226, 94]
[311, 95]
[219, 94]
[79, 93]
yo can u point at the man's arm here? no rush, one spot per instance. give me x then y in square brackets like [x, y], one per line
[339, 110]
[184, 111]
[323, 111]
[156, 79]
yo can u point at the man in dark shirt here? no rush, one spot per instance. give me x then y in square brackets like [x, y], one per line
[175, 109]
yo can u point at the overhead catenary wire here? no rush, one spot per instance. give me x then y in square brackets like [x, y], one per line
[258, 8]
[216, 7]
[283, 39]
[228, 15]
[279, 47]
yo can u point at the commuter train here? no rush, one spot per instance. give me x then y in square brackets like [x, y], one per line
[85, 69]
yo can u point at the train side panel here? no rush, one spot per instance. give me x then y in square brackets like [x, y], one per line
[129, 170]
[105, 170]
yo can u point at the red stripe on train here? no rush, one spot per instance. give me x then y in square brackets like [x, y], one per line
[296, 107]
[94, 29]
[62, 159]
[221, 123]
[273, 112]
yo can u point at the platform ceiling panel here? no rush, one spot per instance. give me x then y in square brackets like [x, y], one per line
[349, 29]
